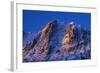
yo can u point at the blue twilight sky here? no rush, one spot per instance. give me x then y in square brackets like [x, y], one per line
[34, 20]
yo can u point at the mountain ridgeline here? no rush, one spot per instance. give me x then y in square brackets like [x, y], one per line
[56, 42]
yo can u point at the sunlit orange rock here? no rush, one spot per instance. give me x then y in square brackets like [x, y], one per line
[67, 45]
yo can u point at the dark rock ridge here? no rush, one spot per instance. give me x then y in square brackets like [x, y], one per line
[51, 44]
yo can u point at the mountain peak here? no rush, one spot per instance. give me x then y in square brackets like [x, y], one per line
[51, 43]
[71, 23]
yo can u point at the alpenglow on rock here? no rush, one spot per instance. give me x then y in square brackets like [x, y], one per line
[38, 49]
[52, 44]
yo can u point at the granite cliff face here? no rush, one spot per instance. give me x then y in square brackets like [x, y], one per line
[38, 49]
[68, 43]
[52, 44]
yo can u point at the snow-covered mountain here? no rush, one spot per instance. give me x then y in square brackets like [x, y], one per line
[57, 42]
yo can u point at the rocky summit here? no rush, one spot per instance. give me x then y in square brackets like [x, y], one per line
[55, 42]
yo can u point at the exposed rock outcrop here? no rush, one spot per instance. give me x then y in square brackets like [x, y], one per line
[39, 47]
[67, 42]
[52, 44]
[70, 33]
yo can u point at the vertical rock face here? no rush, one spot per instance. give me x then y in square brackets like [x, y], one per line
[52, 44]
[38, 49]
[76, 39]
[69, 35]
[67, 42]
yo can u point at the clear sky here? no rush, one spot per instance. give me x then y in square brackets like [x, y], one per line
[34, 20]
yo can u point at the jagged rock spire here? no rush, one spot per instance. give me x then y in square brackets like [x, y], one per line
[40, 48]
